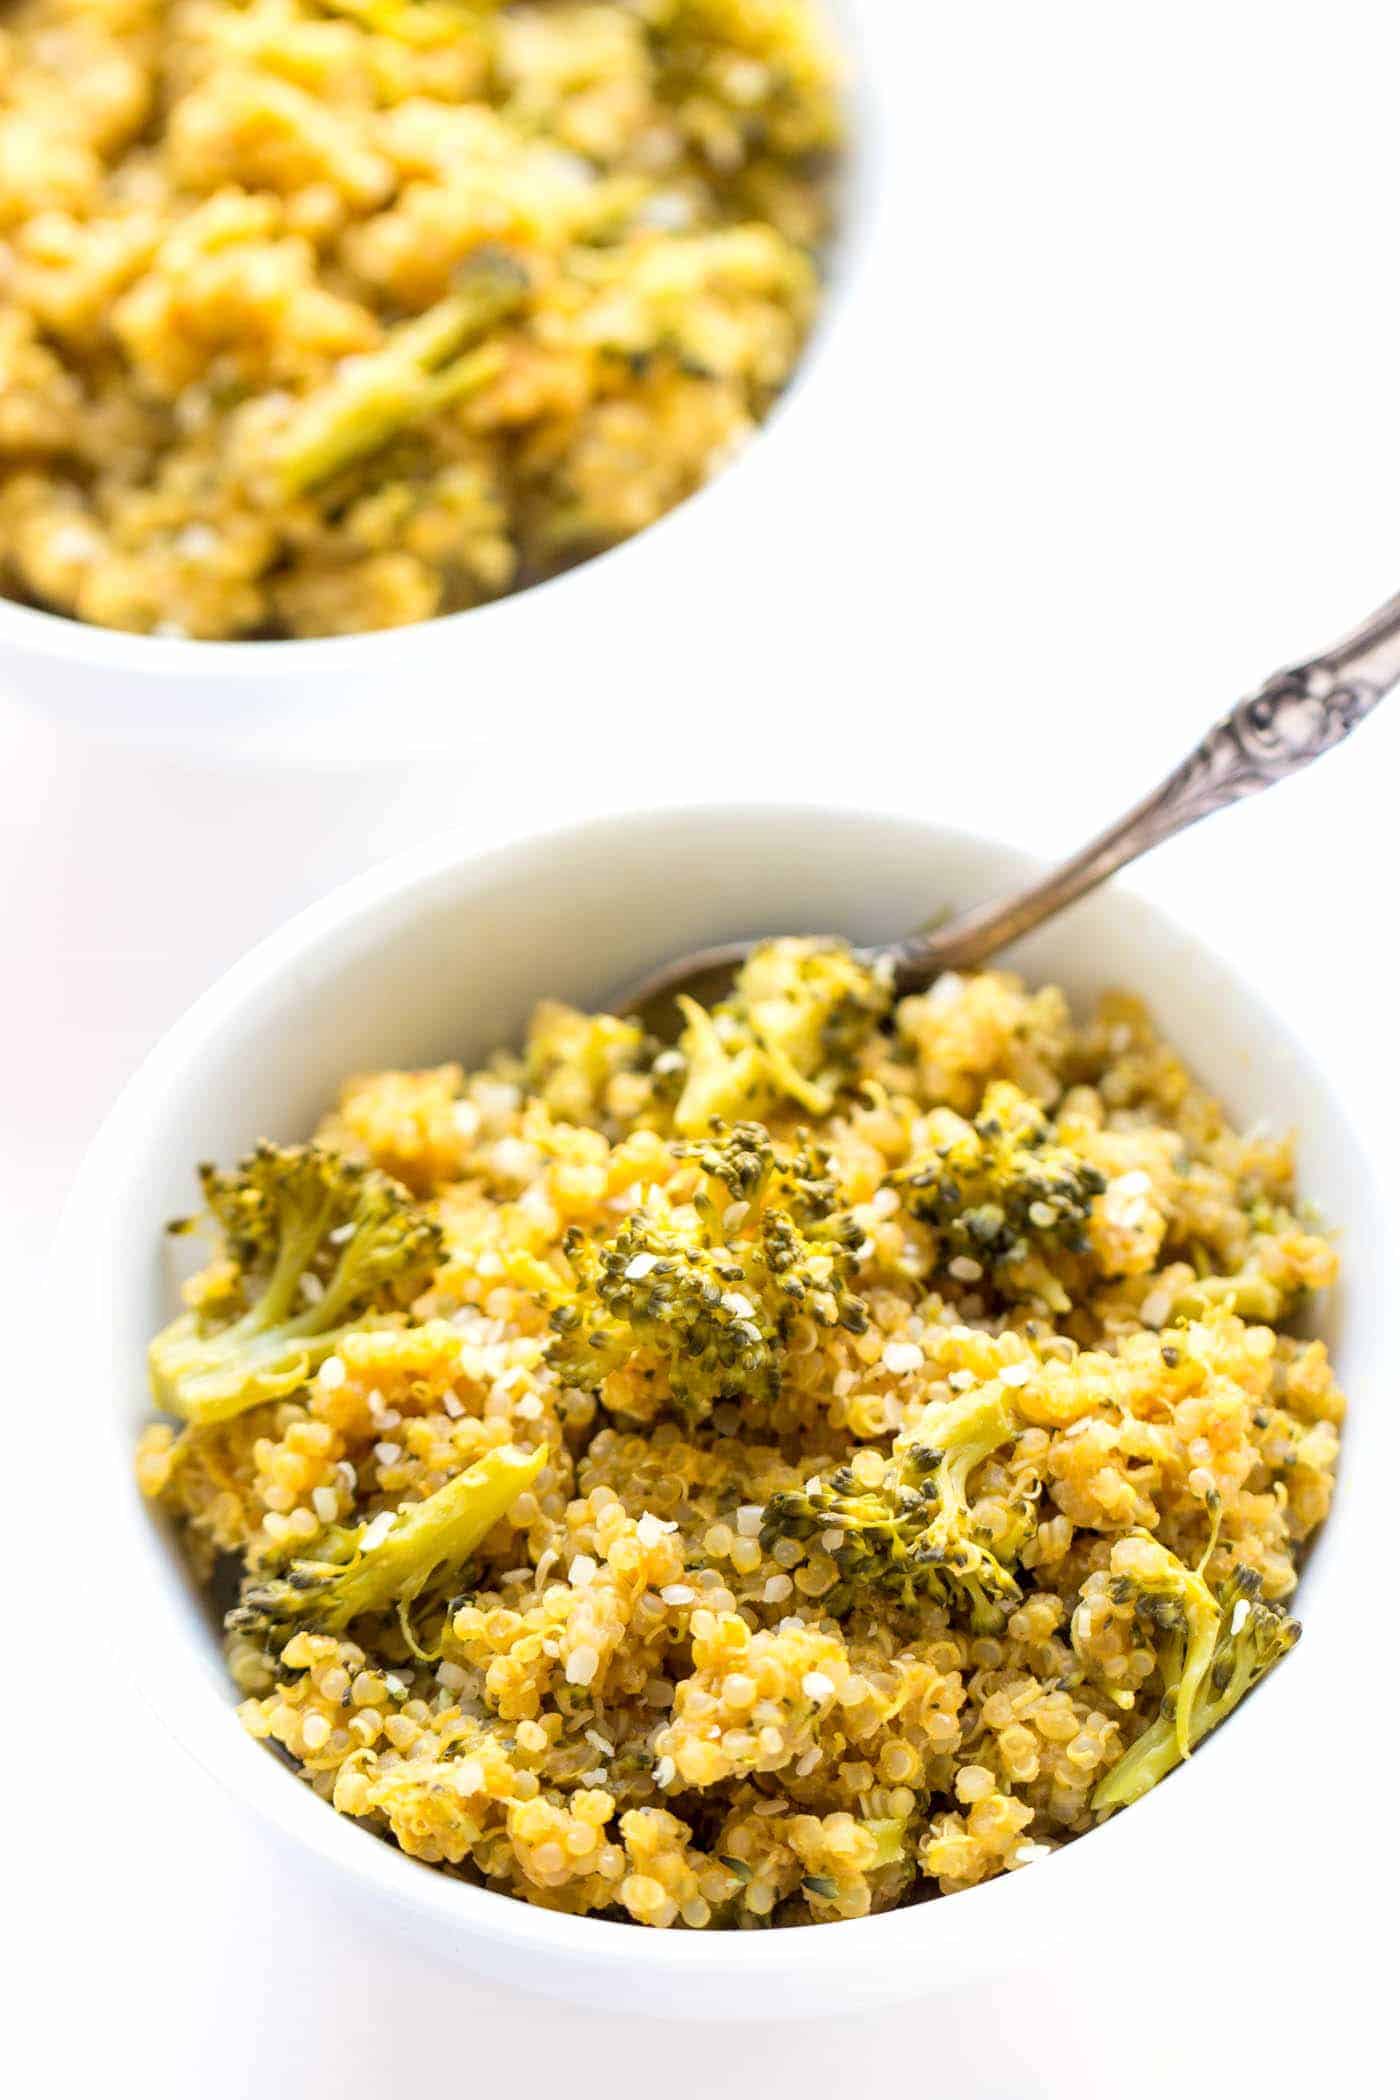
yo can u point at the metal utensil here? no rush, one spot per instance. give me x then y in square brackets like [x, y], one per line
[1292, 719]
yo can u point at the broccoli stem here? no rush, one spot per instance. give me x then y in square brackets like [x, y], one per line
[1151, 1757]
[288, 1208]
[1246, 1639]
[409, 380]
[1252, 1297]
[962, 1432]
[1202, 1626]
[439, 1532]
[205, 1379]
[889, 1835]
[270, 1351]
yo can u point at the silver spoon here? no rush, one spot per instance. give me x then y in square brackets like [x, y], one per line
[1296, 716]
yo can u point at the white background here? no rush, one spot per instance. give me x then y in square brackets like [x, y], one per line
[1109, 429]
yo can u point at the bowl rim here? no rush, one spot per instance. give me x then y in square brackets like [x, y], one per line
[461, 1913]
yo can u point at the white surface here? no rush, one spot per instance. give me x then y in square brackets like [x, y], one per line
[456, 947]
[1127, 437]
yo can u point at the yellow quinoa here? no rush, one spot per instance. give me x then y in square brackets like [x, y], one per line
[659, 1687]
[325, 315]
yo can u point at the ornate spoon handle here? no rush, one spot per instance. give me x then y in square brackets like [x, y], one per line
[1296, 716]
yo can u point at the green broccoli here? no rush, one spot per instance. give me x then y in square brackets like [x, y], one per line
[573, 1058]
[912, 1535]
[377, 397]
[422, 22]
[705, 1301]
[890, 1834]
[791, 1029]
[1216, 1650]
[1252, 1296]
[1003, 1192]
[369, 1567]
[320, 1243]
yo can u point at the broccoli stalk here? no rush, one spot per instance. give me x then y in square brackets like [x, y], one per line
[912, 1535]
[1252, 1296]
[1217, 1650]
[378, 396]
[320, 1243]
[725, 1075]
[364, 1569]
[889, 1833]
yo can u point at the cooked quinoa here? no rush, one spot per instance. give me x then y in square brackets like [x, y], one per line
[865, 1437]
[325, 315]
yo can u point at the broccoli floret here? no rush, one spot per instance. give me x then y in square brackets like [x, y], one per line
[319, 1243]
[425, 367]
[572, 1059]
[706, 1299]
[1003, 1191]
[912, 1536]
[1216, 1650]
[369, 1567]
[791, 1029]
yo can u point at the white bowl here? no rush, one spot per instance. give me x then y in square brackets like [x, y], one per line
[427, 959]
[438, 685]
